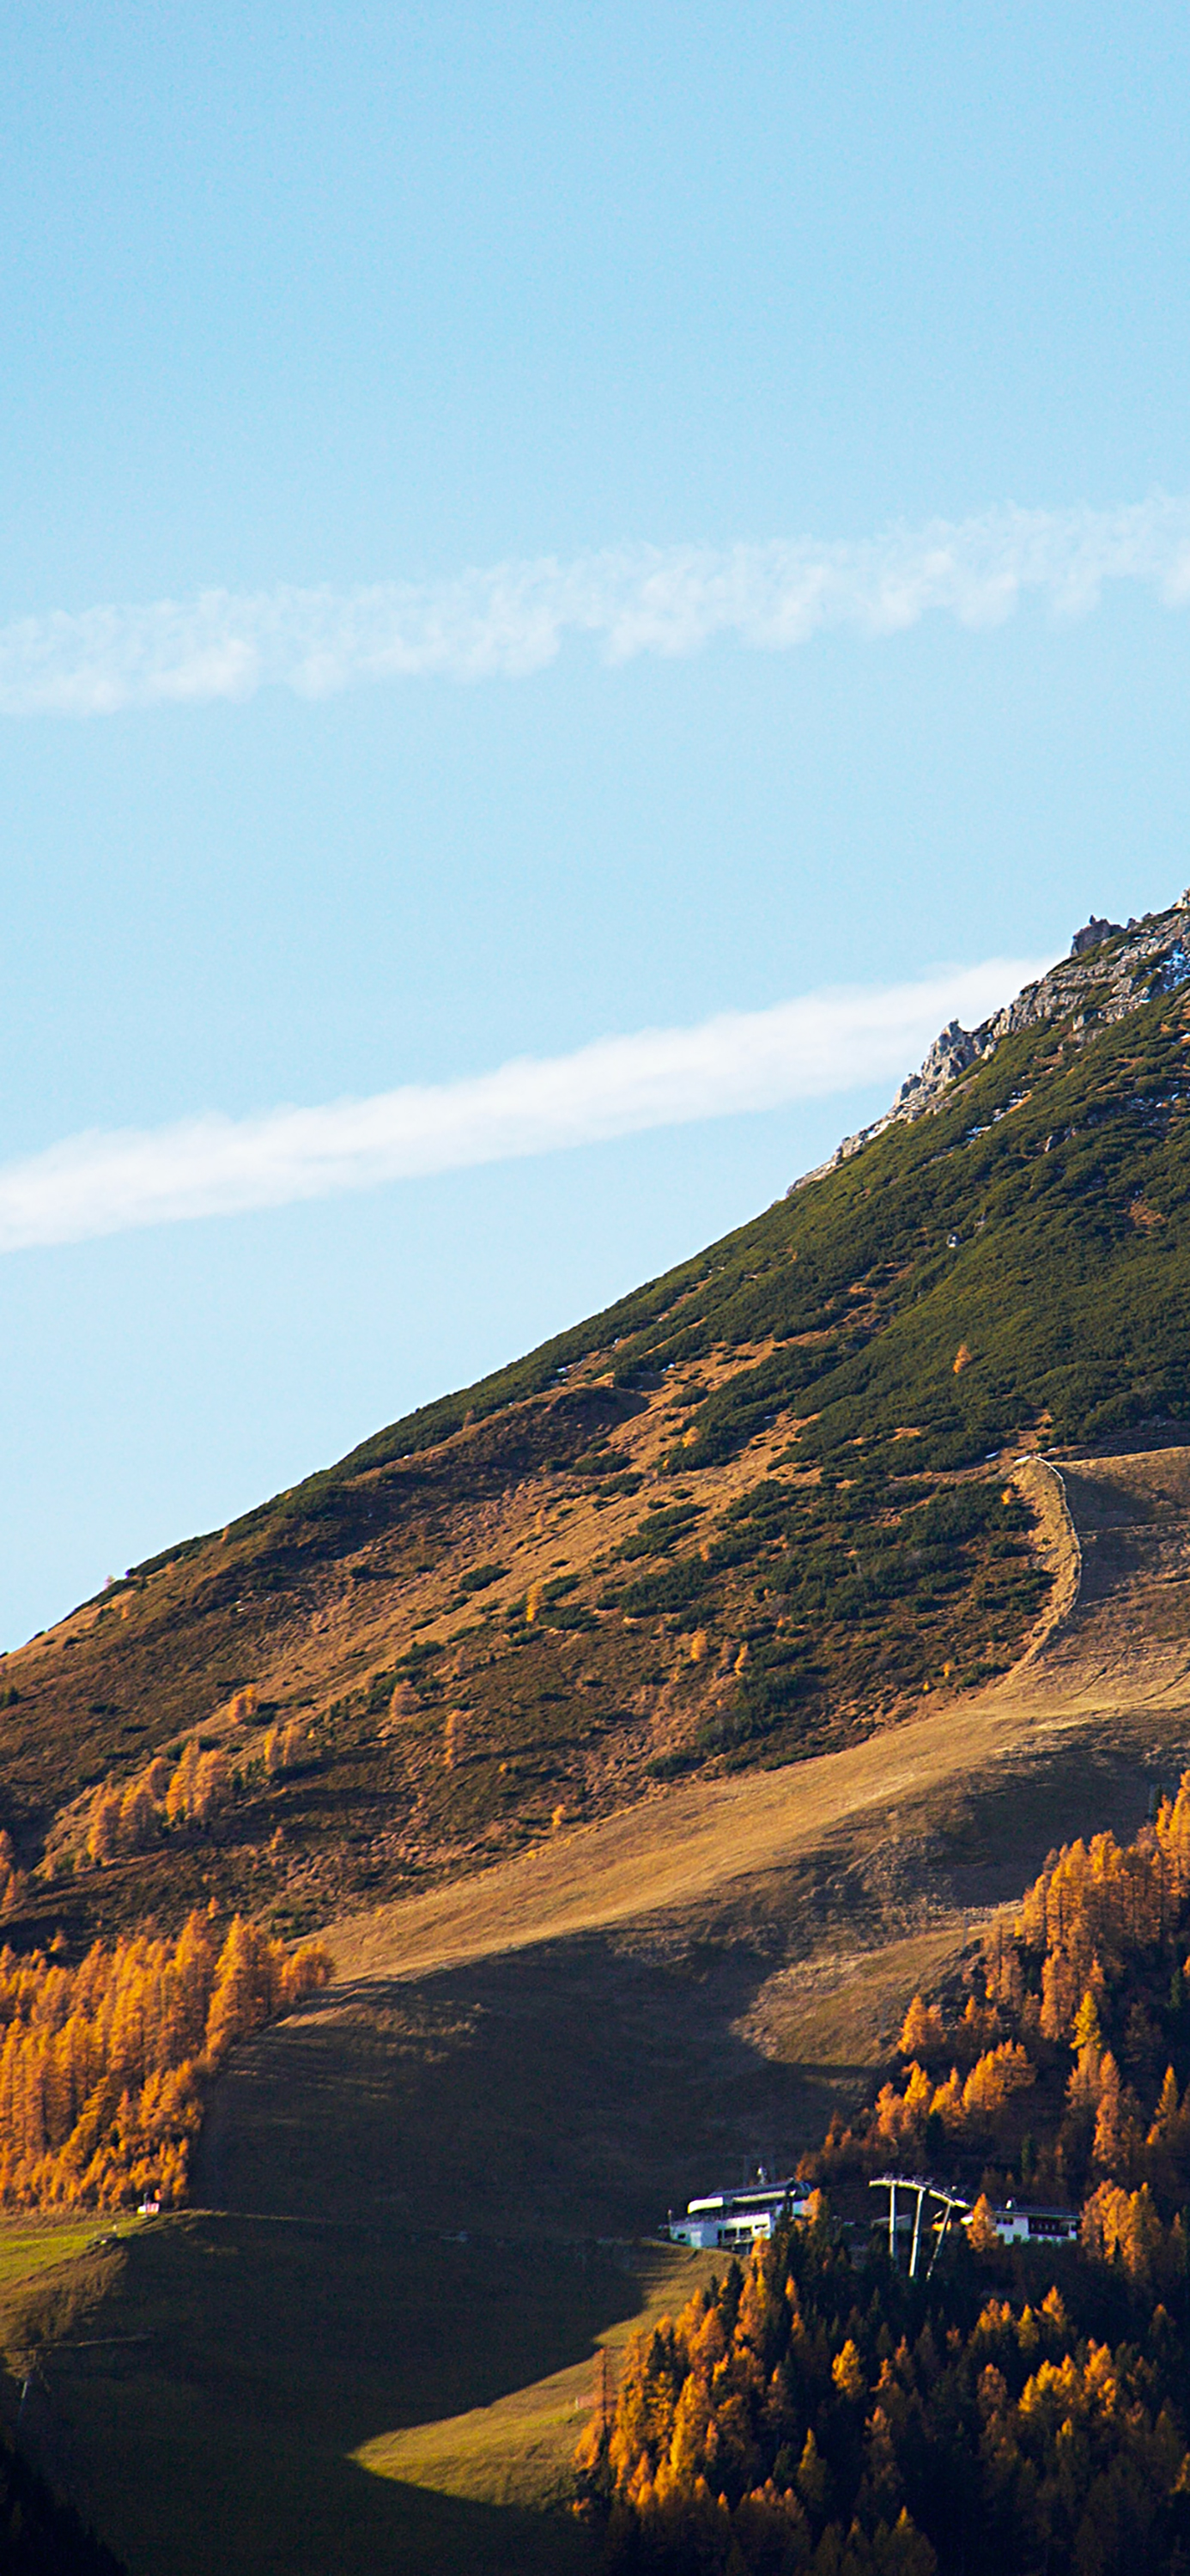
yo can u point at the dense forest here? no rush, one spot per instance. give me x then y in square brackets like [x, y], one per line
[1014, 2407]
[102, 2066]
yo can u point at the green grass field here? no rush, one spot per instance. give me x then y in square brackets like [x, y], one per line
[30, 2246]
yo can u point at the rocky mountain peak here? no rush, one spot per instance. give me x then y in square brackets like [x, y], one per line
[1093, 933]
[1110, 971]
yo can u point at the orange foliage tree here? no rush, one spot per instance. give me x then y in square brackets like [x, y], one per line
[1095, 1967]
[102, 2066]
[807, 2418]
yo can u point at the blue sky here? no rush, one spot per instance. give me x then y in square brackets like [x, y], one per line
[427, 333]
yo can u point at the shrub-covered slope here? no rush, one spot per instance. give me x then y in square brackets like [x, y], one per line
[762, 1503]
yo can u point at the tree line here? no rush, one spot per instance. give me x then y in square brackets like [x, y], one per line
[814, 2415]
[1065, 2074]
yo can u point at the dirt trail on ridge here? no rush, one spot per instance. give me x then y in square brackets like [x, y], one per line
[1113, 1654]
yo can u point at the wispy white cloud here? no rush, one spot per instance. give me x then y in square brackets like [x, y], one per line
[514, 617]
[832, 1041]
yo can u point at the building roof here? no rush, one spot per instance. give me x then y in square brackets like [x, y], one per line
[752, 2195]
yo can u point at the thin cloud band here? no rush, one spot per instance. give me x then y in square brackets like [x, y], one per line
[514, 618]
[834, 1041]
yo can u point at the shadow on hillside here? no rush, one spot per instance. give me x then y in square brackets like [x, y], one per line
[574, 2090]
[426, 2196]
[537, 2104]
[579, 2088]
[211, 2411]
[441, 2534]
[996, 1834]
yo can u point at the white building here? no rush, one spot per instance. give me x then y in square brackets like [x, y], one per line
[1017, 2226]
[737, 2218]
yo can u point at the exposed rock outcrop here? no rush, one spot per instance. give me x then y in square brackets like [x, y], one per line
[1108, 973]
[1093, 933]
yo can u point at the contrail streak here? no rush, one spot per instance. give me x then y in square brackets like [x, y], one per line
[832, 1041]
[514, 618]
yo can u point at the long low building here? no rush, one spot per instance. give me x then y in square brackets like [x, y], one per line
[737, 2218]
[1017, 2226]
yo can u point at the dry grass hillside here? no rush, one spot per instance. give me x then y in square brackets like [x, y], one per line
[541, 2057]
[484, 1659]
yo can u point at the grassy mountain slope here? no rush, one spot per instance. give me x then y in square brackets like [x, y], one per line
[544, 2055]
[742, 1517]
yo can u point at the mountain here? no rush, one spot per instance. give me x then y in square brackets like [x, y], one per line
[760, 1508]
[646, 1725]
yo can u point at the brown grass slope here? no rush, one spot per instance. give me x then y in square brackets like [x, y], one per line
[762, 1508]
[457, 1652]
[544, 2055]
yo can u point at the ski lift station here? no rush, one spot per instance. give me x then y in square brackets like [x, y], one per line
[907, 2218]
[737, 2218]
